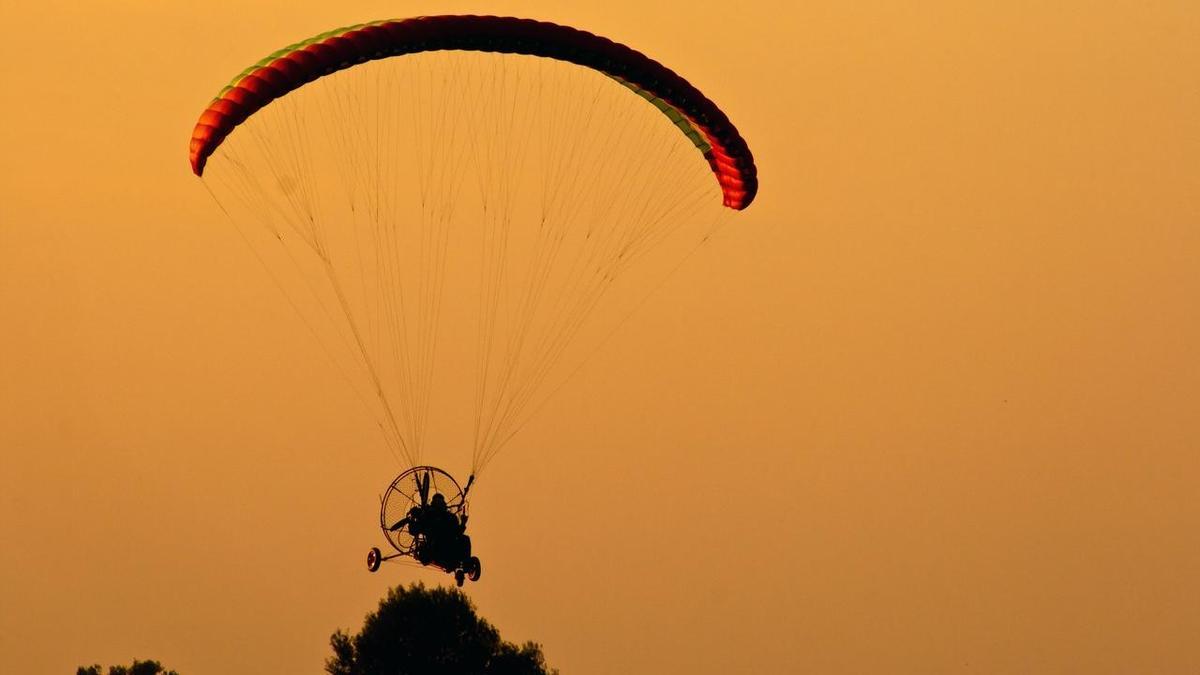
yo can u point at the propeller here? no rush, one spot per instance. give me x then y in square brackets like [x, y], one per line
[423, 489]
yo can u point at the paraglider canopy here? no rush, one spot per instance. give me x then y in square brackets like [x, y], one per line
[288, 68]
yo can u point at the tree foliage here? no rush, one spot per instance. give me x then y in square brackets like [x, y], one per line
[419, 631]
[138, 668]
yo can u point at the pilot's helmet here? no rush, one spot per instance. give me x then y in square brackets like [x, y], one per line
[439, 500]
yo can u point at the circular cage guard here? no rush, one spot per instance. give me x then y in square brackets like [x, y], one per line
[416, 487]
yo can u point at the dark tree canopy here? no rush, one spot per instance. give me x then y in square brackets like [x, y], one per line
[138, 668]
[419, 631]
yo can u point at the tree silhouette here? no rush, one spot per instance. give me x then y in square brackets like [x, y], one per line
[419, 631]
[138, 668]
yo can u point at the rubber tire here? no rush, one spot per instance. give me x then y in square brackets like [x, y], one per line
[474, 569]
[374, 559]
[458, 578]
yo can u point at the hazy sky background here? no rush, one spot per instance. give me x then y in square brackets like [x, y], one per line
[930, 406]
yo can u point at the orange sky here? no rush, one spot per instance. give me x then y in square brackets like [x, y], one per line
[929, 406]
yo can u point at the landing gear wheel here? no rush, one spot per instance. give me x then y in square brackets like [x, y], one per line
[459, 575]
[374, 558]
[473, 569]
